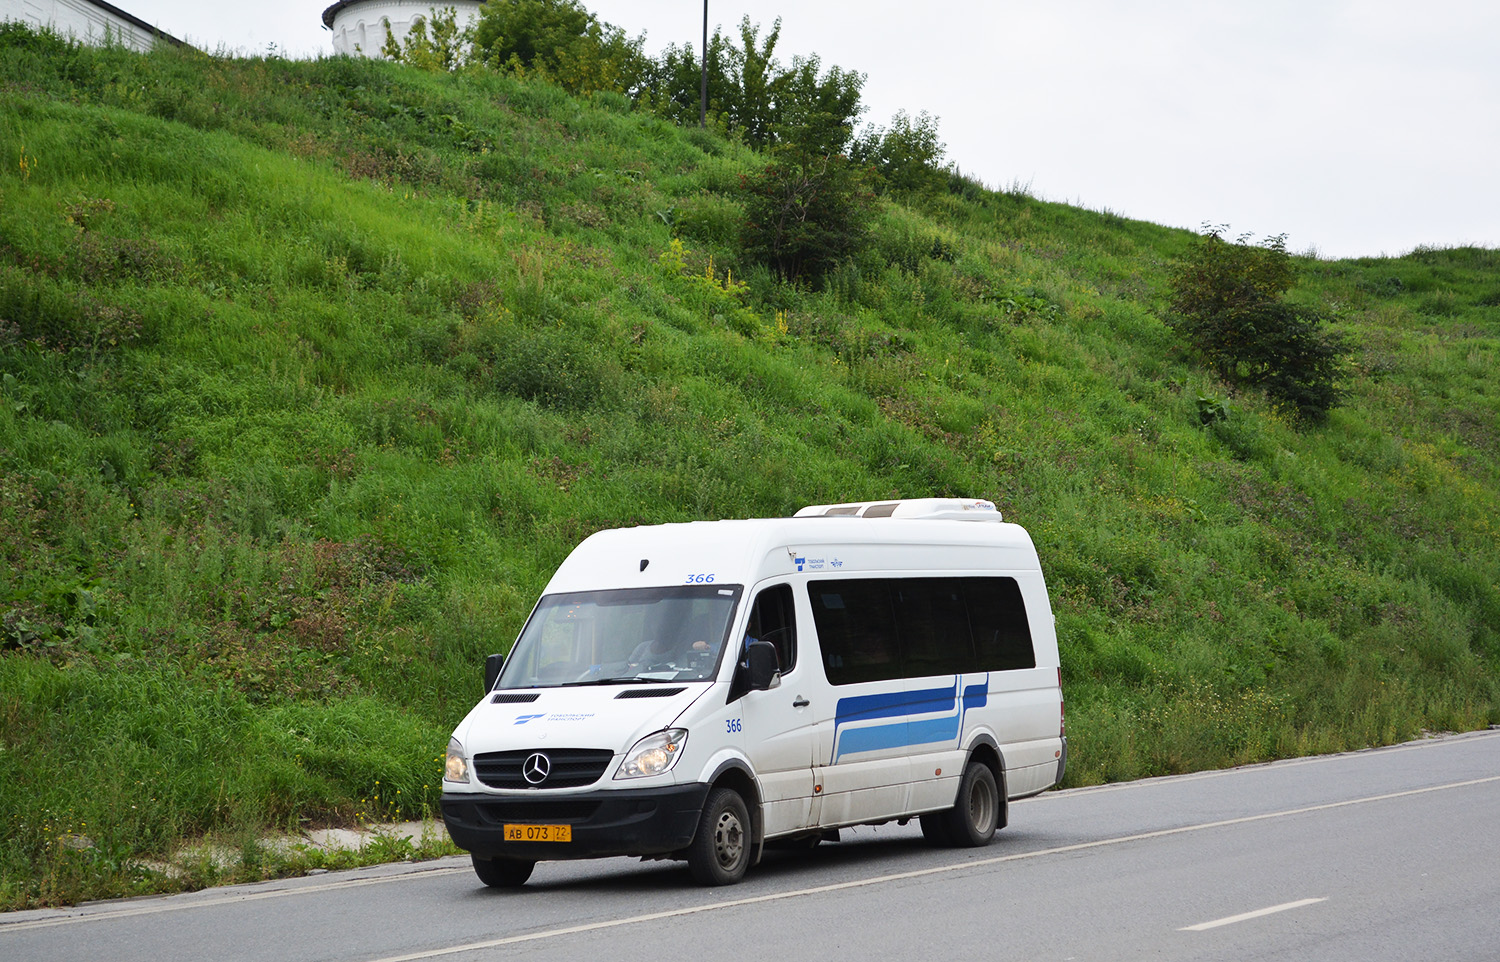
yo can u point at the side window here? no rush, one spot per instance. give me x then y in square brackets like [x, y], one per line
[933, 626]
[772, 619]
[855, 630]
[877, 629]
[1002, 635]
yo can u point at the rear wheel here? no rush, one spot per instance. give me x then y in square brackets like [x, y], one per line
[720, 852]
[502, 873]
[976, 813]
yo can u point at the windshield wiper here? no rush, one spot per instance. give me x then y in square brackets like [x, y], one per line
[596, 681]
[624, 680]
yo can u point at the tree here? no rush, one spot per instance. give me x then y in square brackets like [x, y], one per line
[563, 41]
[1227, 301]
[908, 155]
[673, 81]
[447, 48]
[809, 209]
[815, 110]
[753, 74]
[751, 93]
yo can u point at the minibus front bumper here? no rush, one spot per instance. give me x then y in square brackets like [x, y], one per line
[645, 821]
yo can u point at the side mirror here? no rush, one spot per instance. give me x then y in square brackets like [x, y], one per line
[764, 668]
[758, 670]
[492, 666]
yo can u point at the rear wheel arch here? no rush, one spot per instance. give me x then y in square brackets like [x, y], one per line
[986, 752]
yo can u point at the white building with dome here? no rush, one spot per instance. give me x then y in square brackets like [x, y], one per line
[359, 25]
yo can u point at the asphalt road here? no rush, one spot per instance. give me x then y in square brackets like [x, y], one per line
[1391, 854]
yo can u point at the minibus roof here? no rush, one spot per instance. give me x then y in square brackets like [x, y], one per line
[747, 551]
[912, 509]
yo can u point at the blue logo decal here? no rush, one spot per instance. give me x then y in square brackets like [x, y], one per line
[800, 562]
[523, 719]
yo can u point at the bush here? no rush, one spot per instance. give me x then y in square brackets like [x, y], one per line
[751, 95]
[448, 47]
[561, 40]
[804, 217]
[809, 210]
[1227, 302]
[908, 155]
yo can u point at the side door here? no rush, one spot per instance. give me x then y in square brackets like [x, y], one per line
[863, 770]
[777, 724]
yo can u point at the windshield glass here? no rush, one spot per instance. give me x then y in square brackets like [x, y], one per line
[627, 635]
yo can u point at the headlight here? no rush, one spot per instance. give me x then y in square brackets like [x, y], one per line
[456, 768]
[654, 754]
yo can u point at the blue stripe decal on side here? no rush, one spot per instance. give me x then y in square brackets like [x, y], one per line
[925, 731]
[975, 696]
[870, 739]
[895, 704]
[889, 704]
[899, 735]
[930, 730]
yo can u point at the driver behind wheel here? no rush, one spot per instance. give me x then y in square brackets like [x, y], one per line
[663, 651]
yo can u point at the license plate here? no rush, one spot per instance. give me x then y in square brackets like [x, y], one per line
[538, 833]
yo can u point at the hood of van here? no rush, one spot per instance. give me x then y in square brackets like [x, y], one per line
[604, 716]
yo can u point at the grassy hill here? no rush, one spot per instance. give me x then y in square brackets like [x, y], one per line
[311, 372]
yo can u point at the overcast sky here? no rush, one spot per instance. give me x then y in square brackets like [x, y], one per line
[1357, 128]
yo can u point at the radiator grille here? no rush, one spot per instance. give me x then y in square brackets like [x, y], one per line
[566, 767]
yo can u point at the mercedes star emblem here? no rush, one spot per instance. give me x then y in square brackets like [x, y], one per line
[536, 768]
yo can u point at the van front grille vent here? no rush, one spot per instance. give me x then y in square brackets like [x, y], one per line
[542, 767]
[514, 698]
[651, 692]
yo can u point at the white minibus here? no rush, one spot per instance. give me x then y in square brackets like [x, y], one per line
[696, 691]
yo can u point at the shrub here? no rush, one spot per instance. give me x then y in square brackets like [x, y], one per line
[908, 155]
[1227, 302]
[805, 216]
[562, 40]
[809, 210]
[448, 47]
[751, 94]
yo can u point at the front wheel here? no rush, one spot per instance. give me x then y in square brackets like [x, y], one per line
[720, 852]
[502, 873]
[976, 812]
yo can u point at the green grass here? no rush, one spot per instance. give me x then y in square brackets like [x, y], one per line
[311, 373]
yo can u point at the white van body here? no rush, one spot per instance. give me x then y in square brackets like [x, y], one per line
[913, 644]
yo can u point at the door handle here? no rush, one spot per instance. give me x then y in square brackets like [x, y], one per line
[800, 702]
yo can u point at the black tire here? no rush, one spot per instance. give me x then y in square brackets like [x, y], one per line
[502, 873]
[720, 852]
[935, 829]
[976, 813]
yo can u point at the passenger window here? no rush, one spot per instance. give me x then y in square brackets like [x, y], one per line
[876, 629]
[855, 630]
[933, 627]
[772, 620]
[1002, 635]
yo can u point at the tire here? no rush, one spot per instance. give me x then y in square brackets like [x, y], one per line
[502, 873]
[975, 815]
[935, 829]
[720, 852]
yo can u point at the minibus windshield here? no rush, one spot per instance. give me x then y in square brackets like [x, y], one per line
[675, 633]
